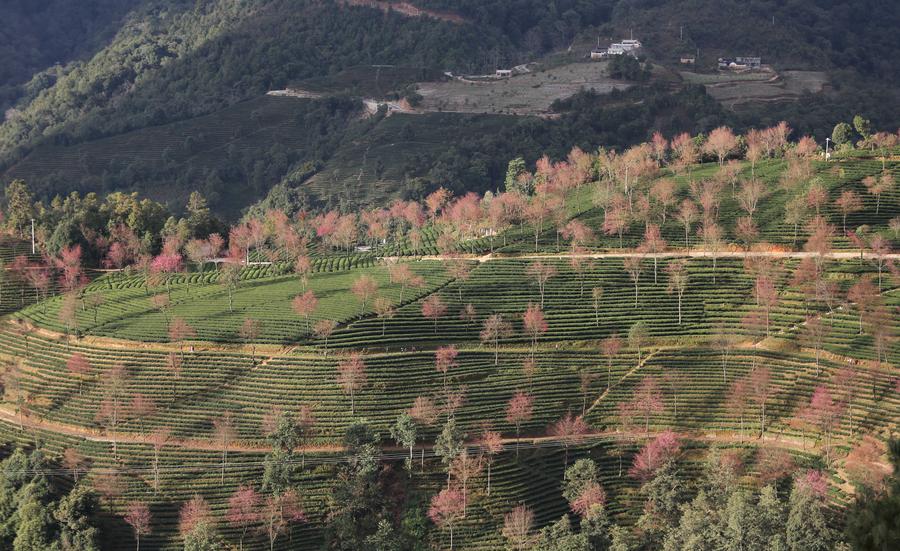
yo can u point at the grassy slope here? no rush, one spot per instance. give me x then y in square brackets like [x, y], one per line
[214, 380]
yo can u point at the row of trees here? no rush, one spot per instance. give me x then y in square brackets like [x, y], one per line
[126, 232]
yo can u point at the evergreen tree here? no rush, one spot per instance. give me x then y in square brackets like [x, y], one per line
[577, 476]
[559, 536]
[873, 522]
[449, 443]
[699, 529]
[75, 513]
[19, 207]
[772, 518]
[807, 528]
[842, 134]
[512, 181]
[664, 495]
[203, 537]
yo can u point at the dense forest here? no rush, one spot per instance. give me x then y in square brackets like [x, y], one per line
[38, 37]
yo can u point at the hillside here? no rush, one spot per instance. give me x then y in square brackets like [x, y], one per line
[174, 61]
[349, 365]
[39, 37]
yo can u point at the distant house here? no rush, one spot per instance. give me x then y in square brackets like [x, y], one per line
[629, 46]
[688, 60]
[503, 73]
[739, 63]
[751, 62]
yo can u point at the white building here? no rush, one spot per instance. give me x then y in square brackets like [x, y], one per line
[629, 46]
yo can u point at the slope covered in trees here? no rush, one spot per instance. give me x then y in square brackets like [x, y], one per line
[145, 66]
[688, 338]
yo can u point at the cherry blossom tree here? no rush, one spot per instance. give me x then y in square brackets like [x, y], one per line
[578, 233]
[711, 234]
[402, 275]
[816, 197]
[877, 186]
[173, 365]
[384, 310]
[654, 455]
[534, 324]
[491, 443]
[814, 332]
[243, 511]
[678, 281]
[738, 400]
[653, 244]
[249, 332]
[447, 508]
[881, 248]
[142, 407]
[648, 399]
[580, 265]
[596, 296]
[158, 440]
[193, 513]
[111, 408]
[463, 468]
[611, 346]
[278, 513]
[687, 215]
[864, 295]
[845, 383]
[79, 367]
[364, 287]
[585, 379]
[460, 270]
[323, 330]
[433, 308]
[137, 515]
[721, 143]
[519, 410]
[517, 525]
[305, 305]
[634, 266]
[752, 191]
[352, 376]
[591, 496]
[616, 220]
[569, 430]
[445, 360]
[664, 193]
[69, 264]
[864, 465]
[165, 266]
[224, 432]
[773, 465]
[541, 273]
[74, 461]
[823, 413]
[495, 329]
[848, 203]
[303, 269]
[424, 411]
[180, 331]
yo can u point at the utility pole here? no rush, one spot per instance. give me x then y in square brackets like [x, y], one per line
[827, 154]
[681, 34]
[32, 237]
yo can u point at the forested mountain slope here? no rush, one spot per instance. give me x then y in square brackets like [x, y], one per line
[143, 66]
[36, 35]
